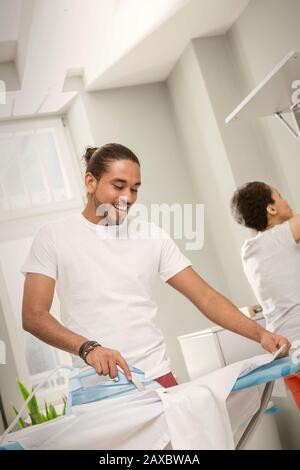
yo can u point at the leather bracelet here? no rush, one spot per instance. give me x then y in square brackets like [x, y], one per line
[82, 347]
[87, 347]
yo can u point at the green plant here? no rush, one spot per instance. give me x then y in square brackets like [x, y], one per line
[36, 416]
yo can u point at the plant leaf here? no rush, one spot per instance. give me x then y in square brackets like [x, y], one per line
[33, 408]
[25, 393]
[21, 421]
[47, 411]
[32, 405]
[52, 410]
[37, 418]
[65, 405]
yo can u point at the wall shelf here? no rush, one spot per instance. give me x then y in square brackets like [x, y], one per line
[273, 96]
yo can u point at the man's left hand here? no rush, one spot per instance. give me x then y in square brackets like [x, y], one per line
[271, 343]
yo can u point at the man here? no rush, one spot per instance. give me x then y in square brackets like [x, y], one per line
[104, 283]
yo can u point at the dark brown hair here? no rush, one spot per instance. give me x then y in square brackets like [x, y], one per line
[98, 159]
[249, 205]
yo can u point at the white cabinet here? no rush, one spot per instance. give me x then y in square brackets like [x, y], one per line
[213, 348]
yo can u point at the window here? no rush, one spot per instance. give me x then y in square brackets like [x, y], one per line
[36, 171]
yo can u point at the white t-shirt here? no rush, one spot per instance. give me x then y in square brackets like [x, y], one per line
[105, 283]
[271, 262]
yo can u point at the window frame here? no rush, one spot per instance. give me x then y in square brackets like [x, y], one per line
[69, 165]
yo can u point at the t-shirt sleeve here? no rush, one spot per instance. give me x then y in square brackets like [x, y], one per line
[282, 234]
[42, 258]
[172, 260]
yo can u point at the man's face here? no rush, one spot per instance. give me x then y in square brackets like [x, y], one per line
[281, 207]
[118, 188]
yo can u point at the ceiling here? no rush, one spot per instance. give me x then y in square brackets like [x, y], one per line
[152, 59]
[10, 11]
[112, 43]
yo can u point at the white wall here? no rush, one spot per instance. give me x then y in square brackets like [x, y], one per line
[8, 373]
[265, 32]
[193, 85]
[8, 74]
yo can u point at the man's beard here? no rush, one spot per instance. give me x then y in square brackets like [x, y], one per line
[110, 216]
[96, 202]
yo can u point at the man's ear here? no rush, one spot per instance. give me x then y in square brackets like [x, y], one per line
[90, 183]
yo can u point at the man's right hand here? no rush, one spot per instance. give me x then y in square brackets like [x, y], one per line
[105, 361]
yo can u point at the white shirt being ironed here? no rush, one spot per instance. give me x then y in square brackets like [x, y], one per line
[104, 283]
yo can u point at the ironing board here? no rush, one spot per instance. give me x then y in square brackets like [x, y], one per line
[263, 375]
[266, 374]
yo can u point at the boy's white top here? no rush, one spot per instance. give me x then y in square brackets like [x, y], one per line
[104, 280]
[271, 262]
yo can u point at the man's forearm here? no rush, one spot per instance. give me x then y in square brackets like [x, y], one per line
[221, 311]
[214, 305]
[45, 327]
